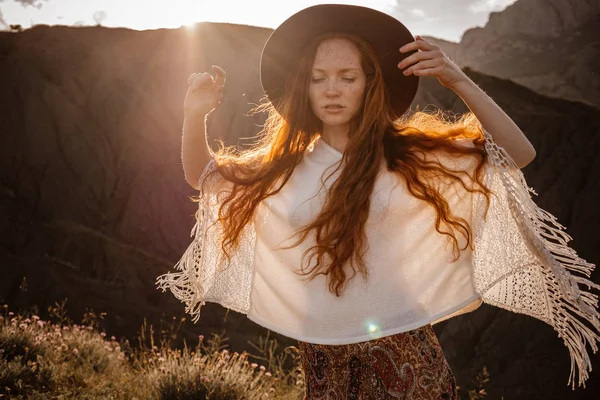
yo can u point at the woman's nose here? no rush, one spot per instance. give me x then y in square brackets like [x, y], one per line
[332, 88]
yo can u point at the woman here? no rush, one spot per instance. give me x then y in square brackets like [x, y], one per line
[353, 230]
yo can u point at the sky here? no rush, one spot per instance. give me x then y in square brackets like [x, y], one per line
[439, 18]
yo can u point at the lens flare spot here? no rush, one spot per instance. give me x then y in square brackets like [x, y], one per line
[373, 329]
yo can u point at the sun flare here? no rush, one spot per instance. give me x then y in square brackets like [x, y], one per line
[268, 13]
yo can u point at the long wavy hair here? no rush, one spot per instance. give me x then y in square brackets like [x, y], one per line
[377, 135]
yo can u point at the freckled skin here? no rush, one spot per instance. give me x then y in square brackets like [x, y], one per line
[337, 78]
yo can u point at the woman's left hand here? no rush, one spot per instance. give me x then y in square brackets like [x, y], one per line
[429, 60]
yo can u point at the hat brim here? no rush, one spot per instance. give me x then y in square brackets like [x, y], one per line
[284, 48]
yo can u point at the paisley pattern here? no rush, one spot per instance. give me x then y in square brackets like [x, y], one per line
[408, 365]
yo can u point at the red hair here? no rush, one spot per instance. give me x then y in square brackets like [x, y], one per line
[376, 137]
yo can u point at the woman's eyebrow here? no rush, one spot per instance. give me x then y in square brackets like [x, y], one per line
[341, 70]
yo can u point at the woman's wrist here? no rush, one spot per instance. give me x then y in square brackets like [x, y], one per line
[194, 116]
[464, 86]
[194, 124]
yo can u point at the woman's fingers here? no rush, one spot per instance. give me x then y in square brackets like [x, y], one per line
[205, 81]
[211, 88]
[202, 81]
[418, 44]
[219, 75]
[420, 56]
[204, 93]
[219, 93]
[424, 64]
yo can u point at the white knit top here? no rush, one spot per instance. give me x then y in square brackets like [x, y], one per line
[411, 281]
[521, 261]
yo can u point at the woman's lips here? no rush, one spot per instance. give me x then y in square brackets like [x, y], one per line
[334, 109]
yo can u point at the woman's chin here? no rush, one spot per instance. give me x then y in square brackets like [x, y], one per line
[333, 121]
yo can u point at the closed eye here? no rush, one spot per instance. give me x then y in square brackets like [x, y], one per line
[317, 80]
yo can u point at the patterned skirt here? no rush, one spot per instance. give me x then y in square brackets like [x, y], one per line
[408, 365]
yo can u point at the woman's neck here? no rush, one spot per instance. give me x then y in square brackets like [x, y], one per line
[336, 136]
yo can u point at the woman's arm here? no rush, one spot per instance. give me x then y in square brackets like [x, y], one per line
[195, 153]
[494, 120]
[203, 95]
[429, 60]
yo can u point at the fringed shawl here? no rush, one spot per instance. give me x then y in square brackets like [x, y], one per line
[521, 261]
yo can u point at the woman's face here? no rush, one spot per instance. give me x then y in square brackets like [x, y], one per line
[337, 84]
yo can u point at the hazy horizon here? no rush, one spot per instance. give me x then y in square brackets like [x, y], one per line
[424, 17]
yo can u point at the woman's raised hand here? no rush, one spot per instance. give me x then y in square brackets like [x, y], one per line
[204, 92]
[429, 60]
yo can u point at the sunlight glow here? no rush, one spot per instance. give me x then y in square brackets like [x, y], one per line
[417, 15]
[267, 13]
[155, 14]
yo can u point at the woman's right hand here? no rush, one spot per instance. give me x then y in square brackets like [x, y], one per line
[204, 92]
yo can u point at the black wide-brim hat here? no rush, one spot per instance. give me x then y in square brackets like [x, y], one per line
[284, 48]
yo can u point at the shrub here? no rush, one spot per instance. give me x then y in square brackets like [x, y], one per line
[44, 359]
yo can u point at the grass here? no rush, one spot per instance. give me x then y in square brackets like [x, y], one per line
[58, 359]
[55, 358]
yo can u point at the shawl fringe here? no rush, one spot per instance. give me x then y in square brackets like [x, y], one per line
[190, 285]
[545, 238]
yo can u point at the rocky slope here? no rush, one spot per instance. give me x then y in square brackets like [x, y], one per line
[550, 46]
[94, 206]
